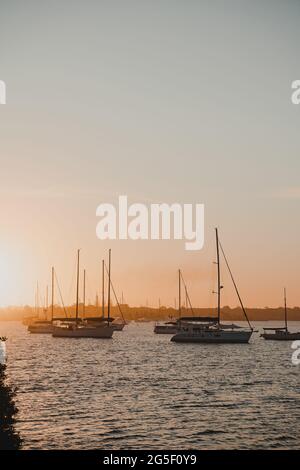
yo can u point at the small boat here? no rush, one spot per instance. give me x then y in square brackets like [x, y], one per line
[85, 329]
[44, 326]
[167, 328]
[118, 323]
[282, 333]
[210, 330]
[194, 332]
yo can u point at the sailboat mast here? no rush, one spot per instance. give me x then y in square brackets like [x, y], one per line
[83, 304]
[179, 293]
[108, 297]
[219, 277]
[285, 310]
[37, 299]
[103, 293]
[77, 287]
[52, 293]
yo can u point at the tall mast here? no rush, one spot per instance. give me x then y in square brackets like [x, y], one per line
[108, 297]
[103, 293]
[37, 299]
[77, 287]
[219, 277]
[285, 310]
[52, 293]
[83, 304]
[179, 293]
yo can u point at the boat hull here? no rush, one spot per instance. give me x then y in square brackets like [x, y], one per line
[41, 328]
[165, 330]
[83, 332]
[47, 329]
[281, 336]
[213, 337]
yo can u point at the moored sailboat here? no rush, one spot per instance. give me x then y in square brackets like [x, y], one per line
[169, 327]
[116, 323]
[210, 330]
[85, 329]
[281, 333]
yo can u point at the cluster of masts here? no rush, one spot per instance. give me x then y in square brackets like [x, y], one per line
[85, 327]
[210, 329]
[185, 329]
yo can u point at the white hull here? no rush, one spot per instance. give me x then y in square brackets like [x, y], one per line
[212, 336]
[83, 331]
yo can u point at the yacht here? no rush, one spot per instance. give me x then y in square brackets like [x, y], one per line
[281, 333]
[85, 329]
[210, 330]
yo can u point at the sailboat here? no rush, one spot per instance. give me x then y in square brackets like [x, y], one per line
[45, 326]
[84, 329]
[210, 330]
[169, 327]
[281, 333]
[102, 320]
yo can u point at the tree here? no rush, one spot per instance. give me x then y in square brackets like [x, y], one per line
[9, 437]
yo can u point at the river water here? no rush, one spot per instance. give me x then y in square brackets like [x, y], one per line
[140, 391]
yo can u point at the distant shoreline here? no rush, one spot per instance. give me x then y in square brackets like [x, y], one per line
[155, 314]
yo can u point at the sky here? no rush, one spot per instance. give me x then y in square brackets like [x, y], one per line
[166, 101]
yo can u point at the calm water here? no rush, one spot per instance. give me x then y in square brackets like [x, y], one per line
[139, 390]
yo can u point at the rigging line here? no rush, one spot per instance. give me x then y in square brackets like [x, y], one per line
[119, 307]
[235, 286]
[72, 283]
[61, 298]
[88, 285]
[187, 294]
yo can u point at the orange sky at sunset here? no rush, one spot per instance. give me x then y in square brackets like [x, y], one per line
[174, 110]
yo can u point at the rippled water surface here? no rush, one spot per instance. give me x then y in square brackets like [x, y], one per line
[139, 390]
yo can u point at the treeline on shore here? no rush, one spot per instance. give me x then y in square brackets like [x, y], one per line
[151, 314]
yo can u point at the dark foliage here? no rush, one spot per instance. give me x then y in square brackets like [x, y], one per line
[9, 438]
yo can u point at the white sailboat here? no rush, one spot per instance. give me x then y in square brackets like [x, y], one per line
[210, 330]
[85, 329]
[281, 333]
